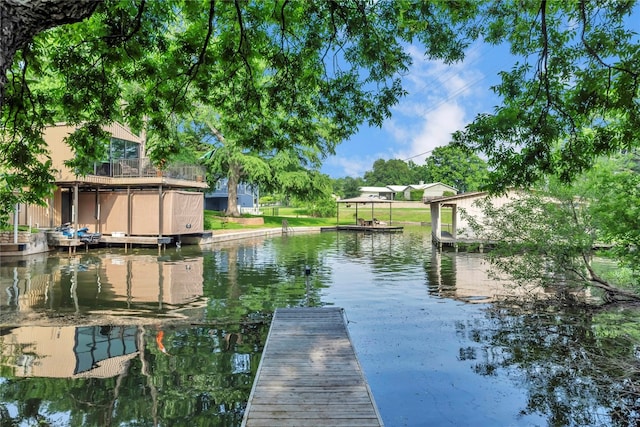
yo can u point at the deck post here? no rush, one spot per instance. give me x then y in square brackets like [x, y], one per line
[76, 189]
[128, 211]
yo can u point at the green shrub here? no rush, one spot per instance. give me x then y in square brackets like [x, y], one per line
[416, 195]
[323, 208]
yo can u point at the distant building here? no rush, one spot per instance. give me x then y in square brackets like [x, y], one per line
[437, 189]
[398, 189]
[376, 192]
[390, 192]
[248, 198]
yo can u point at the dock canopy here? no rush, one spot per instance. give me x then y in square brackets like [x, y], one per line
[363, 201]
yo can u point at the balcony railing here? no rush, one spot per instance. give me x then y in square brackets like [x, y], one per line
[143, 168]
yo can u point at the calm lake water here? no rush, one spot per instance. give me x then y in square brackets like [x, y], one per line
[112, 339]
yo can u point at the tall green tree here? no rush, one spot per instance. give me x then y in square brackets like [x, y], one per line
[388, 172]
[233, 154]
[348, 186]
[614, 186]
[457, 167]
[146, 62]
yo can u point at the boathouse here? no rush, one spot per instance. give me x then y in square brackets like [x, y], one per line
[127, 199]
[457, 230]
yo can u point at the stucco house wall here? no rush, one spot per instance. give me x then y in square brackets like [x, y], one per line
[437, 189]
[467, 203]
[182, 212]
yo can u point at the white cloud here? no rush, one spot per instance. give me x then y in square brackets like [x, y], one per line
[441, 100]
[351, 166]
[432, 130]
[434, 108]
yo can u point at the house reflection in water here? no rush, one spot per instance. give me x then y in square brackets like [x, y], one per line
[142, 279]
[68, 351]
[107, 288]
[102, 284]
[464, 278]
[468, 278]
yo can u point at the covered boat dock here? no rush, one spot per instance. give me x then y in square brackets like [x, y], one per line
[364, 222]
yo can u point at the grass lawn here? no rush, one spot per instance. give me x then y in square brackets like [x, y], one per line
[381, 212]
[295, 217]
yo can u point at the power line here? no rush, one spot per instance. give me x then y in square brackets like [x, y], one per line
[417, 155]
[451, 74]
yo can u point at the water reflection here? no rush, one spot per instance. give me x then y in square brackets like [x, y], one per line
[463, 277]
[68, 352]
[124, 375]
[107, 282]
[138, 339]
[578, 368]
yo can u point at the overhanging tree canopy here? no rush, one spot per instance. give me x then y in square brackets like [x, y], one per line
[573, 95]
[143, 62]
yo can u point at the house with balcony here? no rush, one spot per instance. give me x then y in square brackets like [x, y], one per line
[125, 196]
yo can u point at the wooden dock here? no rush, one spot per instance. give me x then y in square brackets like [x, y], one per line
[365, 228]
[309, 374]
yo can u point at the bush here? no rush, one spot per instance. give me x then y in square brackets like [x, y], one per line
[416, 195]
[324, 208]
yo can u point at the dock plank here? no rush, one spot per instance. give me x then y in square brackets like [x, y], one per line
[309, 374]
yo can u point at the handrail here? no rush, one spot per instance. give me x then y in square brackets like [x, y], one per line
[143, 167]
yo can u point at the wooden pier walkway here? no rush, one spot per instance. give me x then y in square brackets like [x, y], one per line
[366, 228]
[309, 374]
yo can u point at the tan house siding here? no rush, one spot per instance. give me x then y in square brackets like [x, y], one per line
[182, 212]
[470, 208]
[60, 151]
[35, 215]
[466, 203]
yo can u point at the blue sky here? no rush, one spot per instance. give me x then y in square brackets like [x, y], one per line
[442, 99]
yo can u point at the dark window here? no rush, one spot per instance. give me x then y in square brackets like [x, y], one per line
[123, 149]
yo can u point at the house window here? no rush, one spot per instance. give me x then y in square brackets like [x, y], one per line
[123, 149]
[118, 149]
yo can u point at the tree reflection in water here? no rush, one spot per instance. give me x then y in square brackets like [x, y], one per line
[579, 367]
[202, 377]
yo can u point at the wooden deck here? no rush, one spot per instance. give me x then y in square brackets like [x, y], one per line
[365, 228]
[137, 240]
[446, 239]
[309, 374]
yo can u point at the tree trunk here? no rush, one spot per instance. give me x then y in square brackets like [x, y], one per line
[232, 190]
[21, 21]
